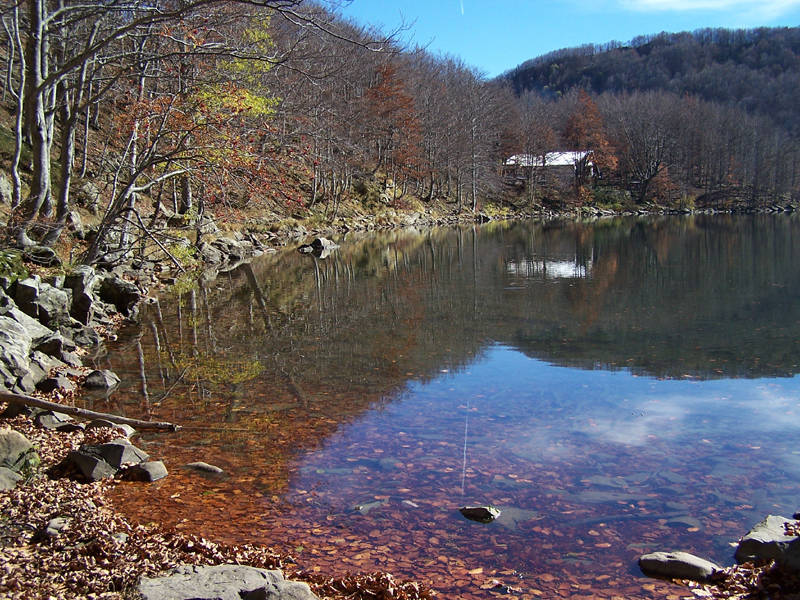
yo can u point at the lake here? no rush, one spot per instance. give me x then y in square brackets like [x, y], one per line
[614, 387]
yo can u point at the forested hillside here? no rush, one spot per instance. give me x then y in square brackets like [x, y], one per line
[261, 111]
[757, 70]
[705, 119]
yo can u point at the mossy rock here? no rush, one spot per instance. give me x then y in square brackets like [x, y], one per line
[17, 453]
[11, 266]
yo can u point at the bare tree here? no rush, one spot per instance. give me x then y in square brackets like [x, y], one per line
[643, 125]
[63, 41]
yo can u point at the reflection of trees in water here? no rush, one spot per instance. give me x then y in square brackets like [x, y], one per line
[707, 296]
[270, 360]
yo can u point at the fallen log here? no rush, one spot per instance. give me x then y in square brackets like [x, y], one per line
[85, 413]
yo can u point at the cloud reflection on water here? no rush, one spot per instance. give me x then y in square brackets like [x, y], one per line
[592, 408]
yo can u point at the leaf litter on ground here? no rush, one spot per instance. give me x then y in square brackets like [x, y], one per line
[98, 554]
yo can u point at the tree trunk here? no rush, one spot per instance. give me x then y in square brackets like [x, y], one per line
[123, 236]
[18, 116]
[82, 412]
[71, 102]
[67, 155]
[36, 122]
[10, 56]
[186, 195]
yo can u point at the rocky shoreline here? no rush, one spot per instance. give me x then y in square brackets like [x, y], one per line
[395, 219]
[60, 537]
[54, 469]
[767, 561]
[48, 327]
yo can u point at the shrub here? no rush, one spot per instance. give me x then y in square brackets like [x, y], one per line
[11, 265]
[613, 199]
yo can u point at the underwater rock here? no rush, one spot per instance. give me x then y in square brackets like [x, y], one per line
[481, 514]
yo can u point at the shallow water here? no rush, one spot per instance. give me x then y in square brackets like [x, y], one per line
[613, 388]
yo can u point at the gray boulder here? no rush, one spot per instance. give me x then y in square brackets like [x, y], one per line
[677, 565]
[55, 526]
[6, 189]
[82, 308]
[411, 218]
[53, 306]
[146, 471]
[8, 381]
[57, 421]
[92, 467]
[204, 467]
[55, 344]
[9, 478]
[118, 453]
[86, 336]
[45, 303]
[36, 373]
[42, 255]
[71, 359]
[207, 226]
[88, 195]
[45, 362]
[36, 331]
[105, 460]
[767, 540]
[101, 380]
[482, 514]
[16, 452]
[126, 430]
[238, 249]
[123, 294]
[26, 383]
[222, 582]
[322, 243]
[224, 244]
[50, 419]
[18, 334]
[210, 254]
[15, 346]
[320, 247]
[57, 382]
[82, 281]
[56, 280]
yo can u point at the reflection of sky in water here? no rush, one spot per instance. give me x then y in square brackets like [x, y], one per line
[546, 414]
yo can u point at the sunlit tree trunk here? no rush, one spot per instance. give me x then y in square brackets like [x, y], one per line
[36, 125]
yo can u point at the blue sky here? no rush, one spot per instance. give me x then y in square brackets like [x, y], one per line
[497, 35]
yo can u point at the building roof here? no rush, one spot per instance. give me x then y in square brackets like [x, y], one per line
[552, 159]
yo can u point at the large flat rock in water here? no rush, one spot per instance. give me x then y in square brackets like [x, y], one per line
[767, 540]
[677, 565]
[223, 582]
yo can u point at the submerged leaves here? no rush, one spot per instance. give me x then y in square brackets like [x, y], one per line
[98, 553]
